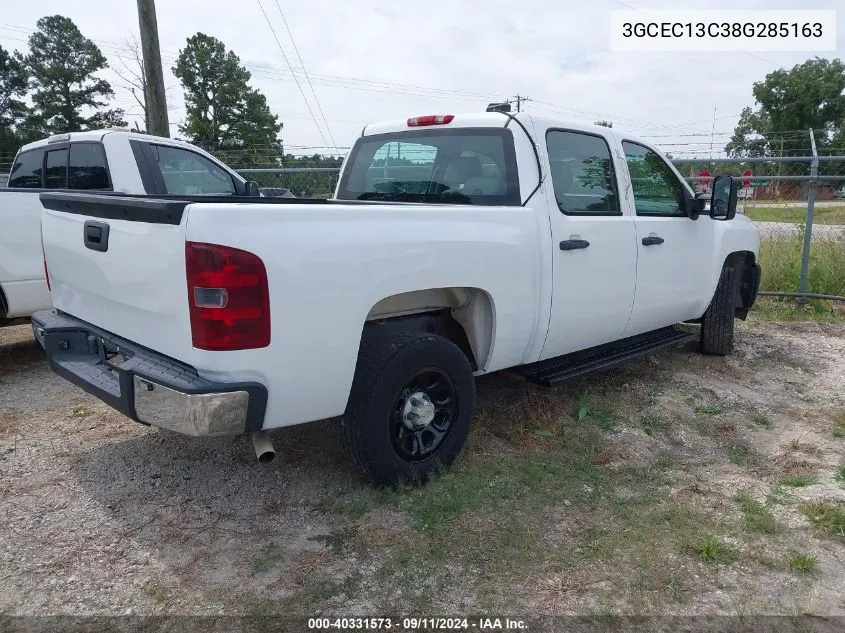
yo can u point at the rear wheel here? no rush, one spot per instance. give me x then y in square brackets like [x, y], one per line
[717, 324]
[410, 408]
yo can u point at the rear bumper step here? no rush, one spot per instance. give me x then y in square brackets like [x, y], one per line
[598, 359]
[146, 386]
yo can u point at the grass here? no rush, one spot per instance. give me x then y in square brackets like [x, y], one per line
[827, 515]
[783, 309]
[798, 481]
[794, 215]
[653, 423]
[840, 475]
[739, 454]
[267, 558]
[803, 563]
[781, 263]
[714, 551]
[156, 591]
[763, 420]
[839, 427]
[757, 516]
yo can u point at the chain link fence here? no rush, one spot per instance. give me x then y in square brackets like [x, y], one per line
[798, 204]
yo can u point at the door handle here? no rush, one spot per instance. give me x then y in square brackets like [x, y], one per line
[571, 245]
[652, 240]
[96, 236]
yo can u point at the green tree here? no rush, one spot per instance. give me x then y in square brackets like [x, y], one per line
[13, 82]
[222, 111]
[789, 103]
[67, 94]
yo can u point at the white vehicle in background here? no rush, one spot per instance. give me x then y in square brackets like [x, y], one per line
[456, 246]
[115, 161]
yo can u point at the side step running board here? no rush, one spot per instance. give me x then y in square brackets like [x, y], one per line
[598, 359]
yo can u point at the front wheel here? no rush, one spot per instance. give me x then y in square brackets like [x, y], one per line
[717, 324]
[410, 408]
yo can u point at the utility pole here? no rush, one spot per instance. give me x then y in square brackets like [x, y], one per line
[518, 101]
[154, 95]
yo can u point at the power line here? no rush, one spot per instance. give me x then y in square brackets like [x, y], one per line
[282, 51]
[305, 72]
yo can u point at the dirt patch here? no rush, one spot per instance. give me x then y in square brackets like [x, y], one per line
[664, 487]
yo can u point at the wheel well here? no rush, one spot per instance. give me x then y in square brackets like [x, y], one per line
[462, 315]
[4, 305]
[749, 280]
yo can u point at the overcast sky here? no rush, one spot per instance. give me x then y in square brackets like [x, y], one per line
[371, 60]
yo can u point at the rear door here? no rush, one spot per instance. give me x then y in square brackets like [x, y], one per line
[593, 243]
[119, 264]
[674, 252]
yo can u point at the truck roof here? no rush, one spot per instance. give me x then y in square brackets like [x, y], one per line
[497, 119]
[98, 135]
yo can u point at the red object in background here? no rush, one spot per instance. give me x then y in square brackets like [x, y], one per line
[747, 173]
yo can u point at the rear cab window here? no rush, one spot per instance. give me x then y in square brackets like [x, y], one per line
[448, 166]
[76, 166]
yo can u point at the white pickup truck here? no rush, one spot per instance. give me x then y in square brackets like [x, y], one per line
[455, 246]
[113, 160]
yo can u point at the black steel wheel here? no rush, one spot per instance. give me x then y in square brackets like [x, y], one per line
[410, 408]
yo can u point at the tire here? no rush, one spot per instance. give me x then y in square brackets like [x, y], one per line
[717, 324]
[393, 372]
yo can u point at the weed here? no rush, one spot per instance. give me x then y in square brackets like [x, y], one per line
[712, 550]
[839, 428]
[710, 409]
[739, 454]
[583, 407]
[798, 481]
[803, 563]
[267, 558]
[653, 423]
[782, 268]
[758, 518]
[604, 420]
[78, 411]
[840, 475]
[676, 589]
[763, 420]
[157, 592]
[827, 515]
[336, 541]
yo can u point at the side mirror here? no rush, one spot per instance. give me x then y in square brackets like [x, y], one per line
[724, 198]
[695, 207]
[251, 189]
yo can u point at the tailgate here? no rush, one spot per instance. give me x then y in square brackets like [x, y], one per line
[119, 263]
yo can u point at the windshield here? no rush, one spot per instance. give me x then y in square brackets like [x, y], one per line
[456, 166]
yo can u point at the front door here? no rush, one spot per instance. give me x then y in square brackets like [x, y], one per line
[674, 252]
[594, 244]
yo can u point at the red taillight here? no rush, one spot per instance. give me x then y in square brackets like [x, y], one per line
[431, 119]
[228, 297]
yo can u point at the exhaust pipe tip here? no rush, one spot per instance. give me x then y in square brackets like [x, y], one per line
[264, 451]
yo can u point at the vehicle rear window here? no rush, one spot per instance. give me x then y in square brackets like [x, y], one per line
[56, 174]
[27, 170]
[87, 168]
[458, 166]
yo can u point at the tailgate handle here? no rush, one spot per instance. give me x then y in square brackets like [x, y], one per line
[96, 236]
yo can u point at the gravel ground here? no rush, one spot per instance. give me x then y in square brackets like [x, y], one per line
[100, 515]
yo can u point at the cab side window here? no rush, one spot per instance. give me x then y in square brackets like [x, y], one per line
[186, 173]
[582, 173]
[27, 170]
[657, 190]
